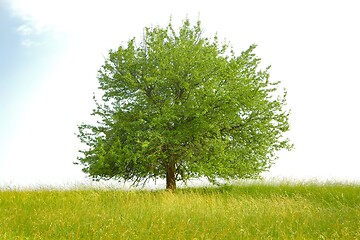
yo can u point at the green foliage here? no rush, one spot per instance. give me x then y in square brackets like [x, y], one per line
[231, 212]
[180, 106]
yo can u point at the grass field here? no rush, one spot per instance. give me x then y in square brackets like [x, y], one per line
[255, 211]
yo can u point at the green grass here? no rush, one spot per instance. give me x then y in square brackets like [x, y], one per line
[255, 211]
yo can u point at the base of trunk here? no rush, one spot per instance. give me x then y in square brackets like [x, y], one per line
[170, 177]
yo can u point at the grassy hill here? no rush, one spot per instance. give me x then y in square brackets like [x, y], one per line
[255, 211]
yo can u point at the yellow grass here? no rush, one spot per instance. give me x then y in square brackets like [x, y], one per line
[232, 212]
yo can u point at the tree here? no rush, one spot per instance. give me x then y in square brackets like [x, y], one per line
[181, 106]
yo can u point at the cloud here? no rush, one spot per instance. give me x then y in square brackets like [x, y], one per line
[25, 30]
[97, 21]
[27, 33]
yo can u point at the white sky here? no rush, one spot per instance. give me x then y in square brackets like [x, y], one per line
[51, 51]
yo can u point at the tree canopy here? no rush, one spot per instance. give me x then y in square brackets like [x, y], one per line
[178, 105]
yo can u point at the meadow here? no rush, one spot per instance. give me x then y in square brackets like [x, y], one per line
[247, 211]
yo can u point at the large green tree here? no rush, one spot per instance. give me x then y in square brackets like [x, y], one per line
[178, 105]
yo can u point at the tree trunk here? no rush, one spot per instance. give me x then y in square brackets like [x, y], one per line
[170, 176]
